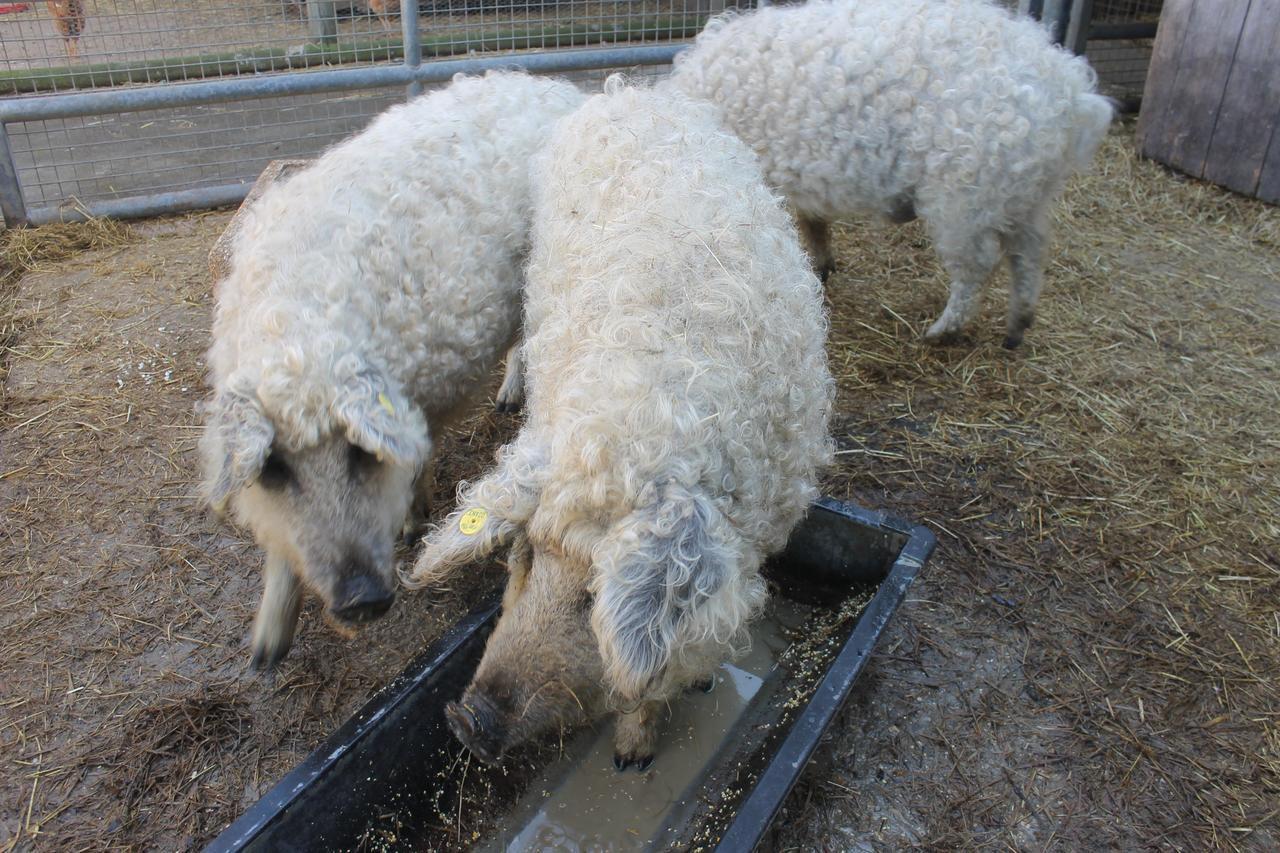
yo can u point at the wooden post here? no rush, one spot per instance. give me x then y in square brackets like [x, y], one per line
[322, 19]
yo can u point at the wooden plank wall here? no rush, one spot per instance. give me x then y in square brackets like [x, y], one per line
[1212, 102]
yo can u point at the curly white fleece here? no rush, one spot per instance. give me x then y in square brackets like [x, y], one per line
[678, 390]
[955, 107]
[386, 277]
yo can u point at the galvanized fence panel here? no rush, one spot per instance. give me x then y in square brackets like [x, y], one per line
[1121, 36]
[151, 41]
[1115, 35]
[99, 157]
[137, 107]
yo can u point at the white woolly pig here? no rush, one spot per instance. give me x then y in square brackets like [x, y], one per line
[368, 299]
[677, 412]
[952, 110]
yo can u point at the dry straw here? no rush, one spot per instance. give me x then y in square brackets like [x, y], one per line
[1114, 481]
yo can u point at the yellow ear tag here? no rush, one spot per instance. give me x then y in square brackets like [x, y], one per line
[386, 403]
[472, 520]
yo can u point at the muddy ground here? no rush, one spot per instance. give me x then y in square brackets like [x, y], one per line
[1089, 660]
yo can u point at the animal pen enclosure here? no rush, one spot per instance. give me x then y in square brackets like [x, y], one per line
[152, 106]
[162, 105]
[1116, 36]
[1089, 664]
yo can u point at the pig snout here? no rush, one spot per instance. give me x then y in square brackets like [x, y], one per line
[361, 598]
[476, 724]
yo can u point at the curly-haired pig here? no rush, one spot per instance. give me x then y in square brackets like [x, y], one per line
[366, 299]
[678, 397]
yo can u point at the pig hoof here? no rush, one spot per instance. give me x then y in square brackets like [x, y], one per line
[414, 527]
[705, 685]
[939, 334]
[507, 407]
[264, 660]
[1012, 341]
[944, 332]
[641, 763]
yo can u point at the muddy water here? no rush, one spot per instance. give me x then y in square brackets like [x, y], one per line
[581, 803]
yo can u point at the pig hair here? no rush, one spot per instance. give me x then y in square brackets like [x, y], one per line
[372, 293]
[507, 496]
[957, 111]
[676, 377]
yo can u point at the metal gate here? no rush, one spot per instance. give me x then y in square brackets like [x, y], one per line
[1116, 35]
[131, 108]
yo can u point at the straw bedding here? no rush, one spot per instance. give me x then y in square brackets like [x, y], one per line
[1089, 660]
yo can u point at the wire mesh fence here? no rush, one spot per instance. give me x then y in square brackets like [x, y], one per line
[74, 162]
[110, 155]
[106, 156]
[1125, 11]
[1122, 63]
[1122, 67]
[155, 40]
[79, 44]
[1117, 36]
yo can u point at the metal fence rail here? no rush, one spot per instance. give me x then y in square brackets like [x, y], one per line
[152, 106]
[140, 107]
[148, 41]
[1121, 36]
[1116, 36]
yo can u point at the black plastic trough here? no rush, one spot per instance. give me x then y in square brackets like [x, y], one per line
[395, 745]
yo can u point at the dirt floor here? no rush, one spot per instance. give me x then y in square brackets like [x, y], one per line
[1089, 661]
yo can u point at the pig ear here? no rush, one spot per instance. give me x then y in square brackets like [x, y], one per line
[237, 438]
[490, 514]
[378, 418]
[667, 578]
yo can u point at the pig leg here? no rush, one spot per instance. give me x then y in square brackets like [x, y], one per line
[490, 513]
[815, 233]
[636, 737]
[277, 618]
[969, 259]
[1025, 246]
[421, 508]
[512, 391]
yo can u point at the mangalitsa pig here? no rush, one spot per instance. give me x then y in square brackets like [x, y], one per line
[366, 301]
[678, 398]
